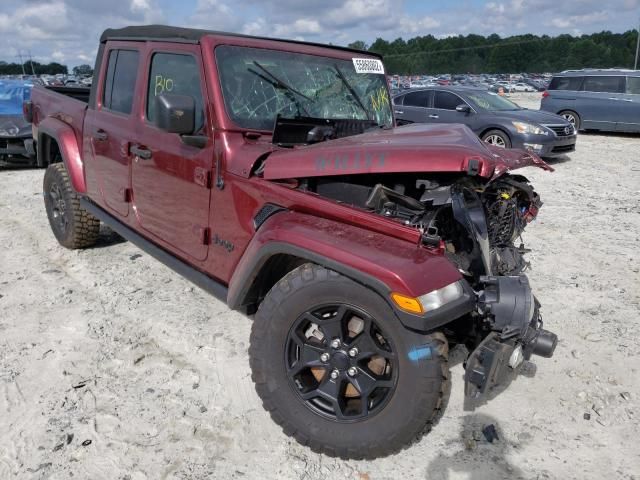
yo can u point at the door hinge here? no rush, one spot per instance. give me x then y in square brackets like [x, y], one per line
[128, 195]
[206, 236]
[209, 180]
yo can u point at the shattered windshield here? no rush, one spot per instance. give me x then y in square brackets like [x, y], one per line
[492, 101]
[258, 85]
[12, 95]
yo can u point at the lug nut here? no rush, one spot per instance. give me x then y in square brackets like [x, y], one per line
[352, 372]
[335, 374]
[324, 357]
[353, 352]
[335, 343]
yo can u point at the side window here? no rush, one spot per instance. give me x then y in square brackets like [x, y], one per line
[120, 82]
[609, 84]
[398, 100]
[177, 74]
[446, 100]
[416, 99]
[566, 83]
[633, 85]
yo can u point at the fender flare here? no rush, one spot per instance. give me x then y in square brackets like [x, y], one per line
[65, 138]
[379, 262]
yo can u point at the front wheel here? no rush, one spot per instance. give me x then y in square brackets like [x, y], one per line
[572, 117]
[497, 138]
[337, 371]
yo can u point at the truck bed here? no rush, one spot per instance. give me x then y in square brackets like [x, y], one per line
[67, 104]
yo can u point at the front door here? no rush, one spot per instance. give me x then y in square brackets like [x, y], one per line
[171, 180]
[108, 128]
[444, 107]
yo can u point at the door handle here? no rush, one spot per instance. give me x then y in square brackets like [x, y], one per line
[141, 152]
[399, 112]
[100, 135]
[433, 115]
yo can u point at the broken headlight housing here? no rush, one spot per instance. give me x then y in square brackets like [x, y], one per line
[437, 298]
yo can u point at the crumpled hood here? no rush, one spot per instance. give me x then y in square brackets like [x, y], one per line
[412, 148]
[14, 126]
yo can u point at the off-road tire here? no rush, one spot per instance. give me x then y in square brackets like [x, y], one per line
[81, 229]
[576, 118]
[498, 133]
[420, 395]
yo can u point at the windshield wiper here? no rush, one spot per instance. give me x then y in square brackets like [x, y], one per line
[352, 91]
[278, 83]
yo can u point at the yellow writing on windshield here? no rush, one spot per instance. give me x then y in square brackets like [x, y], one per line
[379, 99]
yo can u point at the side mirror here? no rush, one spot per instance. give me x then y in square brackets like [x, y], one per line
[176, 113]
[463, 108]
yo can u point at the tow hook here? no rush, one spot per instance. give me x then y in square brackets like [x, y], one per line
[508, 305]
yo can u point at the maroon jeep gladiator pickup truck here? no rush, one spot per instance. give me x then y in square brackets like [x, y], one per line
[271, 174]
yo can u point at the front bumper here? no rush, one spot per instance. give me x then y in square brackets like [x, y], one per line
[516, 334]
[546, 146]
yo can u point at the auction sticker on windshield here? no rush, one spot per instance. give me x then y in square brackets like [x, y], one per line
[368, 65]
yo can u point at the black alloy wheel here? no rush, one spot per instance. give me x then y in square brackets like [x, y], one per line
[340, 363]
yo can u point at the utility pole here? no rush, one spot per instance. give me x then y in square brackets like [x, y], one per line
[21, 62]
[31, 63]
[635, 65]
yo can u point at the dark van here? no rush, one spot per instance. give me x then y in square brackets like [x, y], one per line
[596, 99]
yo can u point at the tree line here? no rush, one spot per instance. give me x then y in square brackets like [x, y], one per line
[29, 68]
[493, 54]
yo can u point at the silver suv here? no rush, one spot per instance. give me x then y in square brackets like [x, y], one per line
[596, 99]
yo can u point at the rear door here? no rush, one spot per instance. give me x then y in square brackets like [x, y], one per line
[629, 115]
[413, 108]
[600, 101]
[171, 181]
[108, 127]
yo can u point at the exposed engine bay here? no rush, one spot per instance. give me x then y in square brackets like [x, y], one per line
[477, 222]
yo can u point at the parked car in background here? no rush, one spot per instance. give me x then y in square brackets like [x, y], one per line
[495, 119]
[596, 99]
[522, 87]
[16, 144]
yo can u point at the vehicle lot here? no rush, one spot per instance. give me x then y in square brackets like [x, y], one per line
[110, 346]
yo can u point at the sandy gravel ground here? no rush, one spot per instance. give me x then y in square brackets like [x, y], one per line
[114, 367]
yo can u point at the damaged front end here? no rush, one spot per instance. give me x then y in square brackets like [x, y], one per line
[477, 224]
[463, 198]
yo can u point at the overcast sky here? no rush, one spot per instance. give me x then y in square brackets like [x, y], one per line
[67, 31]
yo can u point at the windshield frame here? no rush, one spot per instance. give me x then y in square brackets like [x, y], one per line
[475, 104]
[338, 54]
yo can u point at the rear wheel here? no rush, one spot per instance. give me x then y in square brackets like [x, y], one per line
[72, 226]
[337, 371]
[497, 138]
[572, 117]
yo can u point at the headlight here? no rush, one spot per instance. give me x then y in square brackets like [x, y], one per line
[9, 130]
[523, 127]
[429, 301]
[442, 296]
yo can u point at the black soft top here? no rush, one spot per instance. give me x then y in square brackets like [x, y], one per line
[143, 33]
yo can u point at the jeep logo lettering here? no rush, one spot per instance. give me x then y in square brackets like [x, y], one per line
[350, 161]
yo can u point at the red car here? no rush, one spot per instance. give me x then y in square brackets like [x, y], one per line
[271, 174]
